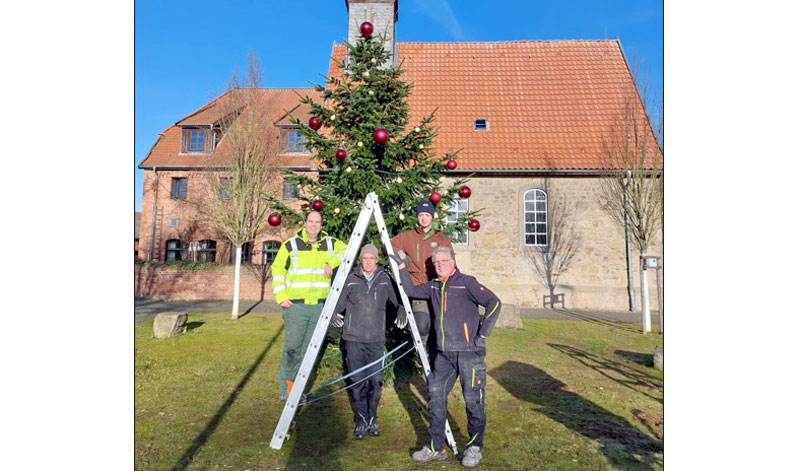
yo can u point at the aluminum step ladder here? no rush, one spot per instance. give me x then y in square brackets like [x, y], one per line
[370, 208]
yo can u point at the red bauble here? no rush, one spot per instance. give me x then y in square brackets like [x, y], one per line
[274, 220]
[452, 164]
[464, 192]
[314, 123]
[435, 197]
[316, 205]
[341, 154]
[474, 225]
[380, 136]
[367, 29]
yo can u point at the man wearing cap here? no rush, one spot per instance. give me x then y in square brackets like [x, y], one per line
[416, 245]
[363, 301]
[301, 279]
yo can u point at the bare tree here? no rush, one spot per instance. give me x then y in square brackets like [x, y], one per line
[552, 260]
[262, 271]
[632, 192]
[246, 167]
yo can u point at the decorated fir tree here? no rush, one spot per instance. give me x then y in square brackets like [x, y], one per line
[364, 143]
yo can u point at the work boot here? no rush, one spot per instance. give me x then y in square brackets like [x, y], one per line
[472, 456]
[426, 454]
[360, 432]
[373, 429]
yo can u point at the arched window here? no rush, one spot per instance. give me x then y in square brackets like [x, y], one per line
[535, 218]
[174, 250]
[207, 251]
[270, 251]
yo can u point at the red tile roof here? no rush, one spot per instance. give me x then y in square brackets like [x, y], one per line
[277, 104]
[548, 103]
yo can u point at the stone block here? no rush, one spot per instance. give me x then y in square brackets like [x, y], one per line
[169, 324]
[509, 317]
[658, 358]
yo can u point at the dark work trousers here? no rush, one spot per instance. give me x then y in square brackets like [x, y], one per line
[422, 316]
[470, 367]
[366, 394]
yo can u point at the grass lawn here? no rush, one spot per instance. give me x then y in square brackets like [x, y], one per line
[561, 395]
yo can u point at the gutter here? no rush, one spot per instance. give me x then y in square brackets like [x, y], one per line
[155, 199]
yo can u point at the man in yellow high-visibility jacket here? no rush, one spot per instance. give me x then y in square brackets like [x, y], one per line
[301, 279]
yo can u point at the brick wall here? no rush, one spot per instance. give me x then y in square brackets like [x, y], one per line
[216, 282]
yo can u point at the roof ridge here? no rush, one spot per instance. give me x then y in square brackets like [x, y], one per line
[501, 41]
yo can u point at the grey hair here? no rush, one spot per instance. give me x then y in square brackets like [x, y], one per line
[444, 249]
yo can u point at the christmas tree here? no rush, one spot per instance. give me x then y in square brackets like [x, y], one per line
[364, 143]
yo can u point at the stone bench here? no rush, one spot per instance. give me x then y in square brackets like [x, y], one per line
[169, 324]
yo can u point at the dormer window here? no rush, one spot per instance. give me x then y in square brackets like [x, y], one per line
[197, 141]
[293, 142]
[482, 124]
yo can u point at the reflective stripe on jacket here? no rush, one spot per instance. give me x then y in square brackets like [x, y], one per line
[298, 269]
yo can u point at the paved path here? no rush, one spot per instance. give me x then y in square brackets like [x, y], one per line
[145, 308]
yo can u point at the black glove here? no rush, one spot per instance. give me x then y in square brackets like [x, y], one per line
[480, 342]
[397, 259]
[402, 319]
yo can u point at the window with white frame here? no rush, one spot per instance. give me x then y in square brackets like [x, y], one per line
[174, 250]
[535, 218]
[270, 251]
[207, 250]
[459, 207]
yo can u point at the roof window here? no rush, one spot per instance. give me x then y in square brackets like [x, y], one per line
[481, 124]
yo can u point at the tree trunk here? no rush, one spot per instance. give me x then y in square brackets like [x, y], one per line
[645, 296]
[236, 270]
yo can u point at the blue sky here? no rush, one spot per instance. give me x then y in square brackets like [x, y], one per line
[186, 51]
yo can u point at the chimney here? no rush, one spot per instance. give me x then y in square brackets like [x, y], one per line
[383, 16]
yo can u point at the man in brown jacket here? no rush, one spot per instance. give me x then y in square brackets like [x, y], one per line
[416, 246]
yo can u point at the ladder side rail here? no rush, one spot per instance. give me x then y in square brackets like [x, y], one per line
[285, 421]
[412, 323]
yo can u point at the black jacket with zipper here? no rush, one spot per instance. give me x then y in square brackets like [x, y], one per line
[455, 309]
[364, 305]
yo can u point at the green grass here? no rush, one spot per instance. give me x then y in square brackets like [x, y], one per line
[561, 395]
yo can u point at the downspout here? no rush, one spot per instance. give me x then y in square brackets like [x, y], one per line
[155, 200]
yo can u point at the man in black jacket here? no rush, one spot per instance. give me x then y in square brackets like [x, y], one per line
[461, 351]
[363, 300]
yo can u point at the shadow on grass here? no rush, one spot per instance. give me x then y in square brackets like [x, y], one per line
[320, 430]
[624, 446]
[193, 325]
[621, 373]
[201, 439]
[645, 359]
[319, 434]
[249, 309]
[596, 320]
